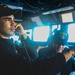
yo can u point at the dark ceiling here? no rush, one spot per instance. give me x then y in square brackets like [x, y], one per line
[36, 7]
[39, 6]
[43, 5]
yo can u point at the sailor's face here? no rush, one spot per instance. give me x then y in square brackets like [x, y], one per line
[59, 48]
[7, 25]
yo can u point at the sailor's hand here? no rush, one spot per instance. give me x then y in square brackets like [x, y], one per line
[20, 29]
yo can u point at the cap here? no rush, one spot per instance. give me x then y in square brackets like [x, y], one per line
[60, 37]
[6, 11]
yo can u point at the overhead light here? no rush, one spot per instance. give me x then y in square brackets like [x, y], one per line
[58, 10]
[15, 7]
[12, 5]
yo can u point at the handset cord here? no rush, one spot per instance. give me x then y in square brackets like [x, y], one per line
[29, 59]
